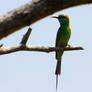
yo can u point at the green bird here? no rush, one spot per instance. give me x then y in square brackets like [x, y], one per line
[62, 39]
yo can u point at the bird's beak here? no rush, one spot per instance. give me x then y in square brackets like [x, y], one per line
[54, 17]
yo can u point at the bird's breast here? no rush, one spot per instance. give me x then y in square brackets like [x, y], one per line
[65, 35]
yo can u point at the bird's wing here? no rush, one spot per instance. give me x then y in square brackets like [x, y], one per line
[58, 37]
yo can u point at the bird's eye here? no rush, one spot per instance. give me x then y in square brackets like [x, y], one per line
[64, 19]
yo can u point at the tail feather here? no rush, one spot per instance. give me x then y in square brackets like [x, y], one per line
[58, 71]
[58, 68]
[56, 81]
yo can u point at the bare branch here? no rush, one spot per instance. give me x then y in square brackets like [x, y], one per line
[23, 47]
[1, 45]
[26, 36]
[32, 12]
[20, 47]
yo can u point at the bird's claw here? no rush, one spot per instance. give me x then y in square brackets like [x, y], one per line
[69, 45]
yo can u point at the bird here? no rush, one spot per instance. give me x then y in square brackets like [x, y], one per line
[62, 38]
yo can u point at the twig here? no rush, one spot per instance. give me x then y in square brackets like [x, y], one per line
[26, 36]
[20, 47]
[1, 45]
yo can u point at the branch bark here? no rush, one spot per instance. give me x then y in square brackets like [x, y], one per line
[32, 12]
[21, 47]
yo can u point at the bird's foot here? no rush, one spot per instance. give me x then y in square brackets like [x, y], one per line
[69, 45]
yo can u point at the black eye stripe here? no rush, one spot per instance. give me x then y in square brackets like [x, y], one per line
[62, 17]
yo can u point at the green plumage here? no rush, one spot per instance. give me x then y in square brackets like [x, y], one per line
[62, 39]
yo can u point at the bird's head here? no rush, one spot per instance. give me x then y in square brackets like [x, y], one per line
[63, 19]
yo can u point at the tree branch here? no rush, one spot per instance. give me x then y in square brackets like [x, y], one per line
[32, 12]
[26, 36]
[20, 47]
[23, 47]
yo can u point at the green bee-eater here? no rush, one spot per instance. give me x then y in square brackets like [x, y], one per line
[62, 39]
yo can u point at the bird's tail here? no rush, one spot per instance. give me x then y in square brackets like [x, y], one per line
[58, 68]
[58, 71]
